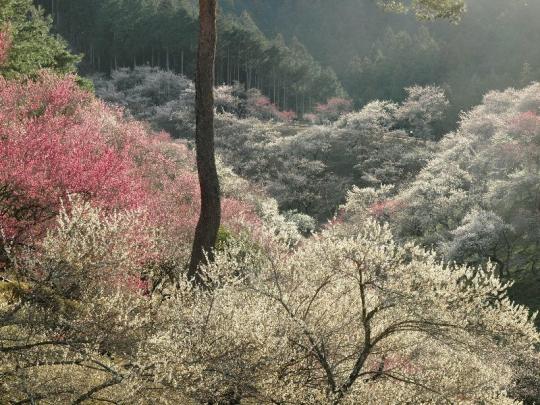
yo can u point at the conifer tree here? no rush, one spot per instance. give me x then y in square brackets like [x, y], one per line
[33, 46]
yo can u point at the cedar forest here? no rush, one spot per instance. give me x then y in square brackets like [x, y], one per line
[286, 202]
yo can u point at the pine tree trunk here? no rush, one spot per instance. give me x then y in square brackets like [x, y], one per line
[182, 62]
[210, 216]
[246, 86]
[228, 67]
[274, 89]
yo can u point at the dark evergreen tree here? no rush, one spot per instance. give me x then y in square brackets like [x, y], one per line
[33, 46]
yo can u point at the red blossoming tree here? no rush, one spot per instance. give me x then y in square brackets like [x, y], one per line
[57, 140]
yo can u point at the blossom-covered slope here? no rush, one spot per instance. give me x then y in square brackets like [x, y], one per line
[57, 140]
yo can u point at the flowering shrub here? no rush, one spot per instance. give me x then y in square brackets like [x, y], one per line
[414, 334]
[305, 168]
[287, 116]
[260, 106]
[262, 101]
[164, 99]
[51, 145]
[374, 115]
[225, 100]
[311, 118]
[384, 208]
[477, 199]
[82, 301]
[363, 318]
[333, 109]
[423, 107]
[95, 249]
[167, 100]
[94, 306]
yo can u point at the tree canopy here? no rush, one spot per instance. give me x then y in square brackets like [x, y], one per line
[32, 44]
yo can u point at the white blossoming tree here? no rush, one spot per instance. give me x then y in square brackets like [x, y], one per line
[360, 320]
[348, 317]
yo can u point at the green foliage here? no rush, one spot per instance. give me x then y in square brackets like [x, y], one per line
[85, 84]
[223, 239]
[114, 33]
[34, 47]
[396, 61]
[467, 59]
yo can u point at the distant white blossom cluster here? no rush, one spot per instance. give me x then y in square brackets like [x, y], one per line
[306, 168]
[477, 200]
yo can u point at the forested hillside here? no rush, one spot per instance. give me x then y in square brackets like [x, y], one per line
[117, 33]
[372, 170]
[376, 54]
[291, 49]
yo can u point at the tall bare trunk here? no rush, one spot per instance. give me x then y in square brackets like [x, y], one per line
[210, 216]
[182, 62]
[274, 88]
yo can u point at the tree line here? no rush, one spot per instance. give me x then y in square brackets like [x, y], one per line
[376, 54]
[163, 33]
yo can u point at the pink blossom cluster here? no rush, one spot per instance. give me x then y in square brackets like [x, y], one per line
[52, 144]
[389, 364]
[528, 123]
[387, 207]
[287, 116]
[57, 140]
[263, 101]
[524, 141]
[263, 108]
[333, 108]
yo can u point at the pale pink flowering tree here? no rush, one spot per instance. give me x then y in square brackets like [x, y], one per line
[287, 116]
[333, 109]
